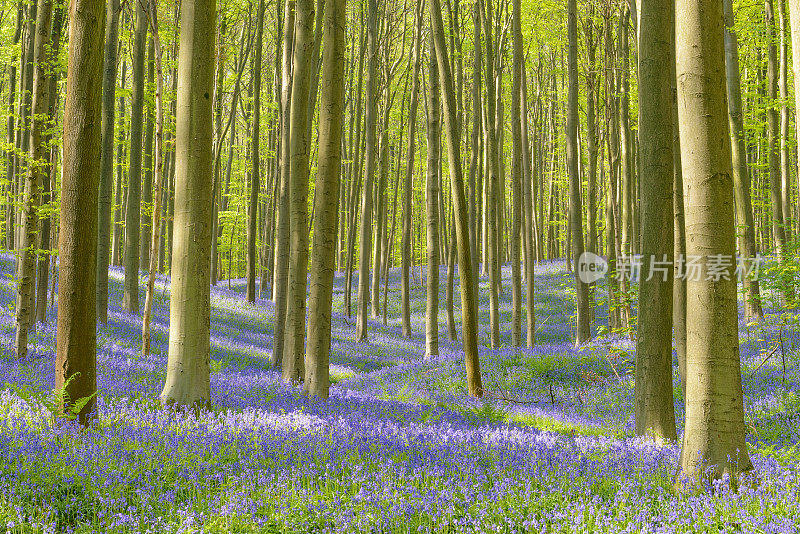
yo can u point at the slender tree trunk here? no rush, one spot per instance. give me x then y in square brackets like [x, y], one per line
[582, 329]
[679, 232]
[10, 129]
[147, 175]
[255, 161]
[130, 298]
[369, 171]
[295, 334]
[408, 185]
[741, 176]
[282, 242]
[654, 405]
[159, 179]
[783, 91]
[516, 177]
[317, 379]
[434, 136]
[188, 374]
[76, 336]
[794, 18]
[469, 309]
[714, 436]
[493, 167]
[107, 157]
[773, 134]
[117, 244]
[625, 140]
[38, 171]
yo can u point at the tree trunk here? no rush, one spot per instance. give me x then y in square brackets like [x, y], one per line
[714, 436]
[294, 335]
[159, 180]
[282, 242]
[369, 171]
[107, 157]
[147, 176]
[38, 172]
[130, 298]
[469, 309]
[794, 18]
[188, 374]
[434, 137]
[741, 176]
[317, 378]
[773, 134]
[255, 162]
[783, 91]
[405, 290]
[582, 328]
[516, 178]
[493, 178]
[654, 405]
[76, 335]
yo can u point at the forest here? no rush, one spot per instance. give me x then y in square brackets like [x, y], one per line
[446, 266]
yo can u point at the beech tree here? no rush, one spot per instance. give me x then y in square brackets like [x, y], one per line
[188, 365]
[76, 335]
[714, 436]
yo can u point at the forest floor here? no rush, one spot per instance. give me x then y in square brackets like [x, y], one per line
[398, 447]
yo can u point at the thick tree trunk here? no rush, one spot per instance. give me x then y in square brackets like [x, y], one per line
[714, 436]
[317, 378]
[294, 335]
[654, 405]
[188, 364]
[282, 240]
[76, 336]
[130, 298]
[107, 158]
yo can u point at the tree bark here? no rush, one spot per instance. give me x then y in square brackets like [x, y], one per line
[365, 246]
[317, 377]
[714, 436]
[76, 335]
[469, 309]
[188, 374]
[294, 336]
[741, 175]
[107, 157]
[653, 404]
[432, 192]
[38, 172]
[130, 298]
[255, 162]
[582, 327]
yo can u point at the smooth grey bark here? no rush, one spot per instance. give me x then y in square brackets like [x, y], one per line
[281, 281]
[714, 435]
[370, 125]
[147, 174]
[773, 134]
[741, 174]
[107, 157]
[582, 326]
[188, 364]
[405, 289]
[317, 377]
[469, 308]
[38, 171]
[300, 148]
[130, 297]
[76, 329]
[255, 162]
[625, 140]
[653, 404]
[432, 193]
